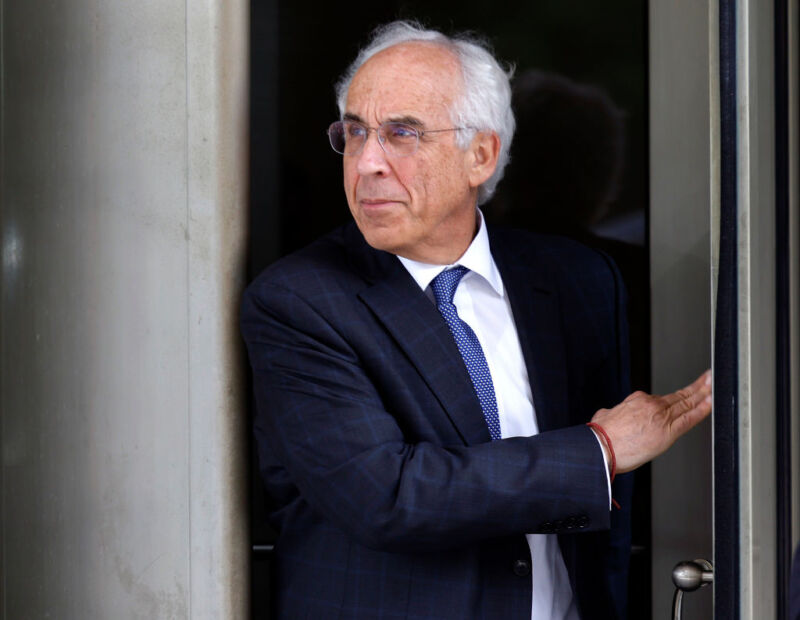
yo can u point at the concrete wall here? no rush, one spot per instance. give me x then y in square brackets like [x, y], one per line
[123, 211]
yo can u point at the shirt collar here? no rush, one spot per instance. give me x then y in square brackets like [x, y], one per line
[478, 259]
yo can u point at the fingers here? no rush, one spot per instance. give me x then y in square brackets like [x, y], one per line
[692, 417]
[700, 386]
[690, 405]
[644, 426]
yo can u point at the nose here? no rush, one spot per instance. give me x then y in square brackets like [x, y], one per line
[372, 158]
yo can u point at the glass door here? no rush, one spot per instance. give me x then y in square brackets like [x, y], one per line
[728, 496]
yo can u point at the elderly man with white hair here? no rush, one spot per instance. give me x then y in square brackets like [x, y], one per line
[443, 414]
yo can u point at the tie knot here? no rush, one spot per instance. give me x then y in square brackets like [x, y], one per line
[444, 285]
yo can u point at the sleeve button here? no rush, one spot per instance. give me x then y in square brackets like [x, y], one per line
[522, 568]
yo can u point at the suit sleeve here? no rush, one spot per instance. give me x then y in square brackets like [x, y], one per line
[321, 417]
[618, 558]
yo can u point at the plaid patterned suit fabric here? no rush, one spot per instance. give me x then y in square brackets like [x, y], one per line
[389, 497]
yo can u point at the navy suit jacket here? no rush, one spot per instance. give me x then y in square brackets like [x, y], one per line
[389, 497]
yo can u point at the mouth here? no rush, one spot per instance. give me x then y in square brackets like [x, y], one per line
[376, 203]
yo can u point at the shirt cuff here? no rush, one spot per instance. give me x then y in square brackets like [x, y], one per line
[605, 462]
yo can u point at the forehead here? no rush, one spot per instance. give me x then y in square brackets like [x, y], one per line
[409, 79]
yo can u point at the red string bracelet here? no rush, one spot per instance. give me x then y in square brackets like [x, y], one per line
[595, 426]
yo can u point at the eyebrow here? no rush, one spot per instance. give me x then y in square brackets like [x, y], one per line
[407, 120]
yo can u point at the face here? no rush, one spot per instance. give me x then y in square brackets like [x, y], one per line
[421, 206]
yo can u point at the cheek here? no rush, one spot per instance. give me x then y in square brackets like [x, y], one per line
[347, 171]
[446, 169]
[350, 179]
[414, 176]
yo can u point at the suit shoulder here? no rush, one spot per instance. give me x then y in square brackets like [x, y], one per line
[320, 265]
[555, 253]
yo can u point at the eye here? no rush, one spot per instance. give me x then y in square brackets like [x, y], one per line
[354, 130]
[400, 132]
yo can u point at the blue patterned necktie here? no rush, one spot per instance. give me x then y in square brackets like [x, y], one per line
[444, 288]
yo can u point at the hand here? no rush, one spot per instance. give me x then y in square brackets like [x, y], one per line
[643, 425]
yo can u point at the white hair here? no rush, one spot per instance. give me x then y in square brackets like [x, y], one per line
[485, 101]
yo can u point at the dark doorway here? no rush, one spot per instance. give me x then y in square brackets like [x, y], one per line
[586, 64]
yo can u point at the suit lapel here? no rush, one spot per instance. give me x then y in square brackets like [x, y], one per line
[534, 303]
[420, 331]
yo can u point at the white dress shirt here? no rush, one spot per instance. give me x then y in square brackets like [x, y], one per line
[482, 303]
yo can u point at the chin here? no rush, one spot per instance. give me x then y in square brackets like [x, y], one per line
[382, 242]
[381, 238]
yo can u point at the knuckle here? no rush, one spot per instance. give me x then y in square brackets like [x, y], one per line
[656, 403]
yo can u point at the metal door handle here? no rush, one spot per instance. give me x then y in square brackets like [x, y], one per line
[689, 576]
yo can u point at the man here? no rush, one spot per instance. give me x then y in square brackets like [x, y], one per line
[423, 384]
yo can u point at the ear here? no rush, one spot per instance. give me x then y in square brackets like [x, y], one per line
[484, 152]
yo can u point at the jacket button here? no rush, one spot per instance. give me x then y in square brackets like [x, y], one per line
[522, 568]
[570, 523]
[583, 521]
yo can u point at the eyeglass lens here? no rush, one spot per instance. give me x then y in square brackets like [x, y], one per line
[349, 137]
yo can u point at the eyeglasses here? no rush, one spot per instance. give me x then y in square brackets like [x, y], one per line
[398, 139]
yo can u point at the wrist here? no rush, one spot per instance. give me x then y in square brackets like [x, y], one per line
[608, 448]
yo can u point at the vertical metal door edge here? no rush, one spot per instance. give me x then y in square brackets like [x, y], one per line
[3, 571]
[756, 328]
[783, 531]
[726, 367]
[793, 27]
